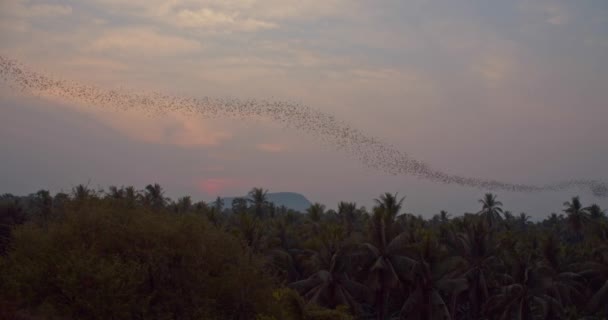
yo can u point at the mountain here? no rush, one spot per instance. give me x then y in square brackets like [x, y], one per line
[290, 200]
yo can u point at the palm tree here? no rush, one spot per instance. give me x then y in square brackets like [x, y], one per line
[521, 294]
[476, 246]
[444, 216]
[346, 212]
[435, 276]
[384, 264]
[184, 204]
[315, 212]
[522, 221]
[239, 205]
[45, 204]
[596, 271]
[218, 205]
[131, 196]
[595, 212]
[491, 209]
[560, 281]
[115, 193]
[259, 198]
[154, 196]
[553, 220]
[81, 192]
[389, 206]
[331, 286]
[250, 230]
[577, 216]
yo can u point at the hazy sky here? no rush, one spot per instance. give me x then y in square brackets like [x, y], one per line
[508, 90]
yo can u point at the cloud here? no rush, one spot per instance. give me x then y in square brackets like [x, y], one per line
[187, 131]
[22, 9]
[214, 20]
[226, 15]
[142, 41]
[172, 129]
[269, 147]
[215, 186]
[48, 10]
[98, 63]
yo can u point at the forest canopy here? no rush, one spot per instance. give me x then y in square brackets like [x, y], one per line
[124, 253]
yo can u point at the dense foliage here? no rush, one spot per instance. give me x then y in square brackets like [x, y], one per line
[129, 254]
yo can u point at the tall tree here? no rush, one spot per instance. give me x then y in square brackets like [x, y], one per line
[44, 202]
[491, 209]
[239, 205]
[184, 204]
[595, 212]
[437, 281]
[331, 286]
[347, 212]
[389, 206]
[475, 245]
[154, 196]
[82, 193]
[383, 260]
[577, 216]
[315, 212]
[218, 205]
[444, 216]
[259, 198]
[521, 294]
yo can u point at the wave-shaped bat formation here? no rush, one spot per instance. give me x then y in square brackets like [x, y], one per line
[371, 151]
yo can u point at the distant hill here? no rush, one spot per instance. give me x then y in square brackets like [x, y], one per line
[290, 200]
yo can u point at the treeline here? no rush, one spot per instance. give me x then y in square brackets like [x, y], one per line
[124, 253]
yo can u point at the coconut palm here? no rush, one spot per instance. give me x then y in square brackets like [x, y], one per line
[314, 213]
[383, 261]
[491, 209]
[250, 230]
[154, 195]
[595, 212]
[331, 286]
[131, 196]
[444, 216]
[82, 192]
[437, 282]
[184, 204]
[116, 193]
[577, 216]
[390, 206]
[44, 202]
[521, 294]
[522, 221]
[259, 198]
[560, 280]
[218, 204]
[596, 270]
[239, 205]
[478, 249]
[346, 213]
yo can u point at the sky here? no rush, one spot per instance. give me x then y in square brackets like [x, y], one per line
[508, 90]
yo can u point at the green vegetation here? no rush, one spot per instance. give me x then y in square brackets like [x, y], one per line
[128, 254]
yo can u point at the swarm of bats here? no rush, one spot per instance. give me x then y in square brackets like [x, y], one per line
[371, 151]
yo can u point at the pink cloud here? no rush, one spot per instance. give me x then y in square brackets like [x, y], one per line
[215, 186]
